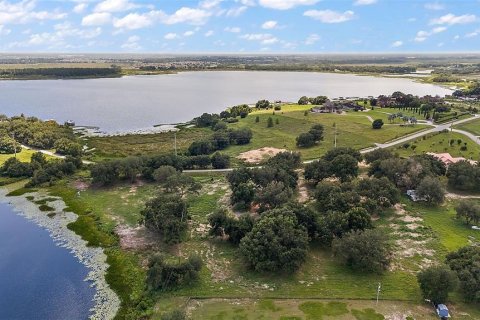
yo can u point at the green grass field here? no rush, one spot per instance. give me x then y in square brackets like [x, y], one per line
[472, 127]
[353, 130]
[23, 156]
[440, 143]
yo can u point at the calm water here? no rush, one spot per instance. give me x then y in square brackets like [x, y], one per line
[38, 280]
[142, 101]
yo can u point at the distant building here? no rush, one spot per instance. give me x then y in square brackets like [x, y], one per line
[338, 107]
[447, 159]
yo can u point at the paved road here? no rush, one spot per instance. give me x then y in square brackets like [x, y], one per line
[51, 154]
[436, 128]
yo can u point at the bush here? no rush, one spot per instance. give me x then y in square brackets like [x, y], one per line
[269, 122]
[166, 214]
[164, 276]
[163, 173]
[377, 124]
[303, 100]
[432, 190]
[436, 283]
[276, 243]
[367, 250]
[197, 148]
[8, 145]
[465, 262]
[468, 210]
[262, 104]
[220, 161]
[305, 140]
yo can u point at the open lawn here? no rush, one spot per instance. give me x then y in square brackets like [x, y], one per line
[440, 143]
[23, 156]
[472, 127]
[354, 130]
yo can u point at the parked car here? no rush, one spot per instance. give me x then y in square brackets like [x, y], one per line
[442, 311]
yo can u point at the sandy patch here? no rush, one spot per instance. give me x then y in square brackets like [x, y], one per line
[81, 185]
[136, 238]
[258, 155]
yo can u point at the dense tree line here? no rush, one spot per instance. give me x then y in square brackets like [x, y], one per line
[109, 172]
[59, 73]
[333, 68]
[35, 133]
[39, 169]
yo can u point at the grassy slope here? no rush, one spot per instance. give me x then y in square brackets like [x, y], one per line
[354, 130]
[440, 143]
[23, 156]
[121, 146]
[472, 127]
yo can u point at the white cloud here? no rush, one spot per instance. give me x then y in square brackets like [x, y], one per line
[134, 21]
[114, 6]
[439, 29]
[312, 39]
[423, 35]
[468, 35]
[235, 12]
[209, 33]
[188, 33]
[96, 19]
[330, 16]
[210, 4]
[132, 43]
[397, 44]
[434, 6]
[233, 29]
[170, 36]
[451, 19]
[456, 37]
[364, 2]
[4, 31]
[24, 11]
[250, 3]
[187, 15]
[80, 8]
[285, 4]
[264, 38]
[271, 24]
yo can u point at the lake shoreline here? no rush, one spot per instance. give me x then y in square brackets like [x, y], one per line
[106, 301]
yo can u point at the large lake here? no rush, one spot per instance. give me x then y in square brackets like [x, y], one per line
[136, 102]
[38, 279]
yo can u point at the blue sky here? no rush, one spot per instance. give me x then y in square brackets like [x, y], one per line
[235, 26]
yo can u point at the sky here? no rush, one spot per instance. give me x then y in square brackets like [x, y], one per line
[236, 26]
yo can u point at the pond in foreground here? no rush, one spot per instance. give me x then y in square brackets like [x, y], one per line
[38, 279]
[137, 102]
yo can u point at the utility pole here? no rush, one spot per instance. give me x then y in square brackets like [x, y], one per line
[14, 144]
[175, 137]
[335, 134]
[378, 290]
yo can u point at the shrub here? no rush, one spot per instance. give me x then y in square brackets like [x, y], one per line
[162, 275]
[436, 282]
[367, 250]
[276, 243]
[377, 124]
